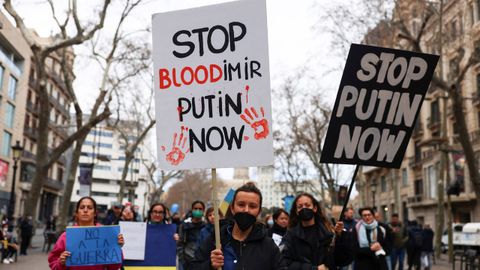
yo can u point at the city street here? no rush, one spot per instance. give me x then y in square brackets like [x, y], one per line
[37, 260]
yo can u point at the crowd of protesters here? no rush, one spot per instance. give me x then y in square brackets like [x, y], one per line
[304, 237]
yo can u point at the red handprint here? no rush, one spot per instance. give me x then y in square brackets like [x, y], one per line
[260, 126]
[177, 154]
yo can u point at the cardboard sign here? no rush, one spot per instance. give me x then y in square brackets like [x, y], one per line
[379, 98]
[93, 245]
[160, 249]
[135, 234]
[212, 86]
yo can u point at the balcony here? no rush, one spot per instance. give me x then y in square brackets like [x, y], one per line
[56, 104]
[415, 200]
[28, 155]
[475, 137]
[32, 108]
[53, 184]
[415, 163]
[30, 132]
[417, 134]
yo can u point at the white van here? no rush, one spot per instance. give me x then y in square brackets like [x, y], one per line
[464, 235]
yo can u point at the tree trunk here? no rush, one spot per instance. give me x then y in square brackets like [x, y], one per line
[121, 191]
[41, 166]
[63, 216]
[464, 139]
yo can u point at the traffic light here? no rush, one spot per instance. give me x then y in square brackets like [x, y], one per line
[454, 188]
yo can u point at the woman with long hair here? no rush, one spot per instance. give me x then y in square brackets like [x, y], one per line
[312, 241]
[85, 215]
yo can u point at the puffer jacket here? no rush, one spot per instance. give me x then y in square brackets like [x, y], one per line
[257, 252]
[300, 254]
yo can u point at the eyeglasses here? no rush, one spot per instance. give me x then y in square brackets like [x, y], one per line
[157, 212]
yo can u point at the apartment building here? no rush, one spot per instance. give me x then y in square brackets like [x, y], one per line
[413, 190]
[105, 149]
[15, 65]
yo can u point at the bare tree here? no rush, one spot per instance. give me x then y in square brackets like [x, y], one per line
[158, 182]
[41, 51]
[195, 185]
[135, 109]
[110, 60]
[305, 124]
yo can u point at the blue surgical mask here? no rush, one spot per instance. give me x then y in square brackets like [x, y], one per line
[270, 222]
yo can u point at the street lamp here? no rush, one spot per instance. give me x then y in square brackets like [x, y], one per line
[373, 187]
[17, 150]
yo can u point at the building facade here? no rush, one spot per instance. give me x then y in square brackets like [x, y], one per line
[434, 159]
[15, 65]
[105, 149]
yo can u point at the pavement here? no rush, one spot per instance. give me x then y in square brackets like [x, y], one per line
[37, 260]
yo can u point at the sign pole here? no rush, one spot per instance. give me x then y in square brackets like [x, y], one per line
[215, 210]
[347, 198]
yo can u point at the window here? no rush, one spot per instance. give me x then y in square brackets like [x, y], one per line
[105, 145]
[12, 88]
[453, 29]
[27, 121]
[418, 188]
[1, 77]
[478, 10]
[60, 174]
[434, 112]
[383, 184]
[6, 143]
[404, 177]
[472, 15]
[102, 167]
[10, 115]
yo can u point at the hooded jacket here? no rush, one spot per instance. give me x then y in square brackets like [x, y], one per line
[256, 252]
[301, 254]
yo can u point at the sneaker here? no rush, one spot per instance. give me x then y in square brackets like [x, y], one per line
[12, 260]
[6, 261]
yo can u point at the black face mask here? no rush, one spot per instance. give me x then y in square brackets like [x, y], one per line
[306, 214]
[244, 220]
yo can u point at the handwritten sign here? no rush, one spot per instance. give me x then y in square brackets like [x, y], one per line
[93, 245]
[212, 86]
[380, 96]
[135, 234]
[160, 249]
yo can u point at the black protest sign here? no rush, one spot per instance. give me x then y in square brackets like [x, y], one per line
[379, 99]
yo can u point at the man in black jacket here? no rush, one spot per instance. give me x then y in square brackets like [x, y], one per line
[245, 244]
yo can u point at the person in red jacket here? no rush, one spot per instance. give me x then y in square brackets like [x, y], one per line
[85, 215]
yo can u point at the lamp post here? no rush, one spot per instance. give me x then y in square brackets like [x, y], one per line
[373, 187]
[17, 150]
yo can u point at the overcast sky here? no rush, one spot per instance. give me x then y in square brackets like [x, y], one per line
[294, 39]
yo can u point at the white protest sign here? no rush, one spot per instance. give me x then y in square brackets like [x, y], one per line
[212, 86]
[135, 235]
